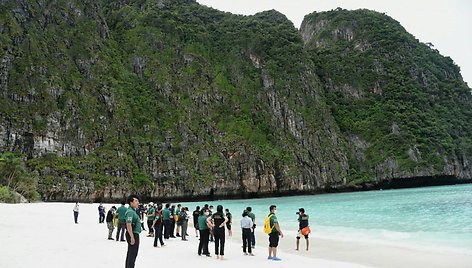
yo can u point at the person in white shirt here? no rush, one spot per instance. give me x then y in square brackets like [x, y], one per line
[76, 212]
[246, 226]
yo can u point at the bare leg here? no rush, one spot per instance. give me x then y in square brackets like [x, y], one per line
[298, 243]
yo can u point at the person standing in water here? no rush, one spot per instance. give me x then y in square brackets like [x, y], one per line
[195, 216]
[302, 223]
[121, 222]
[246, 227]
[219, 221]
[133, 229]
[76, 212]
[229, 216]
[253, 218]
[109, 221]
[274, 234]
[204, 226]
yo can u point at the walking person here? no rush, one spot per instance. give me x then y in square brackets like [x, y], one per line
[109, 220]
[150, 218]
[204, 226]
[274, 233]
[219, 221]
[76, 212]
[246, 227]
[121, 222]
[253, 218]
[158, 225]
[133, 229]
[303, 229]
[183, 221]
[195, 215]
[229, 216]
[101, 213]
[166, 221]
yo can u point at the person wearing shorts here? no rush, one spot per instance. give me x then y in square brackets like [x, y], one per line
[274, 234]
[302, 223]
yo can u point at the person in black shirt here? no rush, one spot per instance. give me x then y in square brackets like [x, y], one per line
[158, 224]
[195, 216]
[219, 221]
[302, 223]
[109, 220]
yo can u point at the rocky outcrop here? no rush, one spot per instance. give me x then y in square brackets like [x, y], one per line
[109, 102]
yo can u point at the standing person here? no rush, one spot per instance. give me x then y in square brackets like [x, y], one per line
[166, 221]
[195, 216]
[219, 221]
[274, 233]
[121, 222]
[109, 220]
[133, 229]
[141, 211]
[150, 218]
[229, 216]
[173, 217]
[177, 221]
[302, 224]
[253, 218]
[246, 227]
[212, 238]
[204, 226]
[101, 213]
[76, 212]
[183, 221]
[157, 225]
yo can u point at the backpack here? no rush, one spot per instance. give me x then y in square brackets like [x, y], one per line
[267, 227]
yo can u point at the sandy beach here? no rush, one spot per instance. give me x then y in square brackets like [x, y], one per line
[44, 235]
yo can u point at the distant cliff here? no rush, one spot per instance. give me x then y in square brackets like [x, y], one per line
[171, 99]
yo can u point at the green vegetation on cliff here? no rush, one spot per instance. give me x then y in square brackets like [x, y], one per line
[171, 98]
[405, 100]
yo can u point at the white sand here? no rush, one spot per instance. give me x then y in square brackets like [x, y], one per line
[44, 235]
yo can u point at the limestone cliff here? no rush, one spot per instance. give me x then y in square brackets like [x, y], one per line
[171, 99]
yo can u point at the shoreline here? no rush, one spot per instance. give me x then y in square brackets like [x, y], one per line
[399, 183]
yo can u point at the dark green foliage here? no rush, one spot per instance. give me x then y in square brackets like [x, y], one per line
[153, 93]
[382, 78]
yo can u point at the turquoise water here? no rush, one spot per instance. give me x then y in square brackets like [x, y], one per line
[430, 217]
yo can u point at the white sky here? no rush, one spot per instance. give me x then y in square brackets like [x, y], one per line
[446, 24]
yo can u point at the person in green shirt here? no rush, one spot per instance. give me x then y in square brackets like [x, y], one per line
[204, 225]
[133, 229]
[150, 218]
[121, 222]
[166, 215]
[274, 235]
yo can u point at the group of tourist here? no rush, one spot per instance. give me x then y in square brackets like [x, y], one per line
[163, 221]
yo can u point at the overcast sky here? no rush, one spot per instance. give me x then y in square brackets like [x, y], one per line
[446, 24]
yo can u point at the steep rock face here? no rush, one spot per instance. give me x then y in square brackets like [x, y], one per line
[170, 99]
[167, 99]
[402, 107]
